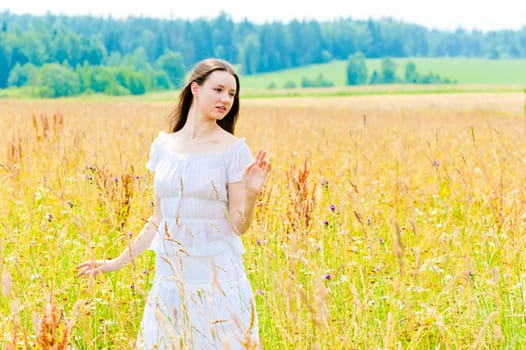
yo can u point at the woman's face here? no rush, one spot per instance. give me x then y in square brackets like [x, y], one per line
[215, 96]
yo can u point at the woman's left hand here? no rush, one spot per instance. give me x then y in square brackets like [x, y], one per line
[256, 172]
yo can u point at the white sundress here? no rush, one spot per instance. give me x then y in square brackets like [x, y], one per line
[200, 297]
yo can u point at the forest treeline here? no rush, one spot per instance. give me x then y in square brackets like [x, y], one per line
[67, 55]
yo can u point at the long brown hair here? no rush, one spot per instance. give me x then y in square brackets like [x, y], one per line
[200, 73]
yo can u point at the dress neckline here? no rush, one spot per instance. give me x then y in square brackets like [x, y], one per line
[239, 141]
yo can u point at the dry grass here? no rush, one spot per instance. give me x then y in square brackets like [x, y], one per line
[388, 222]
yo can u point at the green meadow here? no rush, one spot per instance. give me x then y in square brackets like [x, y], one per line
[465, 71]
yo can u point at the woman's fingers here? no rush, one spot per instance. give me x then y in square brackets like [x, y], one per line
[260, 156]
[84, 264]
[266, 165]
[89, 268]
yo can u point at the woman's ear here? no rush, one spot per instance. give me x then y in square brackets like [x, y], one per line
[194, 87]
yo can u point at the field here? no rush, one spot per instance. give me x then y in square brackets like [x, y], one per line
[466, 71]
[389, 221]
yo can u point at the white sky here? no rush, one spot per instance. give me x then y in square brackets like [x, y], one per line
[440, 14]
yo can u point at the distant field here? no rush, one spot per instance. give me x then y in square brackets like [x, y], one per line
[463, 70]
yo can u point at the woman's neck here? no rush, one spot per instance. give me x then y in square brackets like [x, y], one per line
[198, 127]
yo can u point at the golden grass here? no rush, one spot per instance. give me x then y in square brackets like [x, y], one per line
[388, 222]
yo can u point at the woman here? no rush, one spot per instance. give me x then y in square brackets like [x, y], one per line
[206, 185]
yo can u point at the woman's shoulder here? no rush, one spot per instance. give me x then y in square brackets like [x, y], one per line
[227, 139]
[161, 135]
[225, 142]
[232, 143]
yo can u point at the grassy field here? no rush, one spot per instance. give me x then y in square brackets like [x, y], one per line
[472, 71]
[389, 222]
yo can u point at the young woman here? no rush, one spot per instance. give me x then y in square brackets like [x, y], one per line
[206, 184]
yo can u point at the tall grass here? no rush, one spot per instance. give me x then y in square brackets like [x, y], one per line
[388, 222]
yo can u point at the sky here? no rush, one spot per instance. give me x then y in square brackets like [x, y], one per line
[438, 14]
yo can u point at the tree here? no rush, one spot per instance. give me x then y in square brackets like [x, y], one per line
[4, 63]
[388, 71]
[101, 79]
[137, 60]
[136, 83]
[21, 75]
[161, 80]
[92, 50]
[250, 54]
[375, 78]
[55, 80]
[172, 63]
[411, 75]
[356, 69]
[320, 81]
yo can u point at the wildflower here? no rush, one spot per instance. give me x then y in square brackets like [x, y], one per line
[332, 207]
[116, 179]
[328, 276]
[132, 286]
[49, 217]
[471, 275]
[145, 272]
[70, 204]
[325, 223]
[258, 242]
[259, 291]
[436, 163]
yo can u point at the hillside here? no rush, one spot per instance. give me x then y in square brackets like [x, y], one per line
[465, 71]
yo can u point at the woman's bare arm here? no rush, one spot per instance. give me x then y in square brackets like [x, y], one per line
[242, 196]
[134, 249]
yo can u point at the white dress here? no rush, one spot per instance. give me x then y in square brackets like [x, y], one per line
[200, 297]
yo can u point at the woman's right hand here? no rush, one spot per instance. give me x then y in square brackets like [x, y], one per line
[92, 268]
